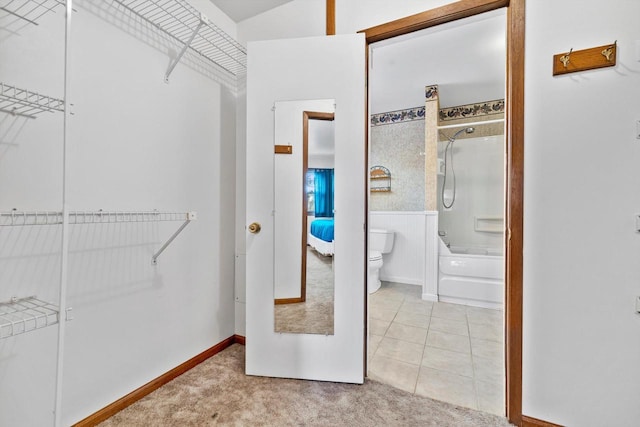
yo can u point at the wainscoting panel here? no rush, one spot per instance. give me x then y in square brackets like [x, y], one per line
[413, 259]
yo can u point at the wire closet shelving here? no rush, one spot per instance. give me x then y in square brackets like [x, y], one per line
[23, 218]
[18, 316]
[27, 314]
[25, 103]
[194, 31]
[179, 21]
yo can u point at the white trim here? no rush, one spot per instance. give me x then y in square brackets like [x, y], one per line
[478, 123]
[431, 255]
[430, 297]
[427, 213]
[400, 279]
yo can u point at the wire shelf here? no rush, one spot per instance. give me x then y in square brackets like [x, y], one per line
[29, 10]
[26, 314]
[22, 102]
[100, 217]
[19, 218]
[186, 24]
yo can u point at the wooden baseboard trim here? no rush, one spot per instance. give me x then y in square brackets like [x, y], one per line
[155, 384]
[534, 422]
[288, 300]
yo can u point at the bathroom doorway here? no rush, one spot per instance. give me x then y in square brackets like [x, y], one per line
[398, 295]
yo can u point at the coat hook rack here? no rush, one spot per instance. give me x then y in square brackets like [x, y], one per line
[586, 59]
[608, 52]
[565, 58]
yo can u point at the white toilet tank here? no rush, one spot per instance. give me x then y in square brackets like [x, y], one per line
[380, 240]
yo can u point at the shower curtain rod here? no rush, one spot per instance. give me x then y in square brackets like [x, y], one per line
[459, 125]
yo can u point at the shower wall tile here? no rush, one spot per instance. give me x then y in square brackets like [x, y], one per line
[400, 148]
[405, 142]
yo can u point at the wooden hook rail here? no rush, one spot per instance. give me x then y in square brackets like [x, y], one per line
[586, 59]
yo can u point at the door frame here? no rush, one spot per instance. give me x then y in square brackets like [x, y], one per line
[514, 168]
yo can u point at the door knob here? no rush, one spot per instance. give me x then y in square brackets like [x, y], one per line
[254, 228]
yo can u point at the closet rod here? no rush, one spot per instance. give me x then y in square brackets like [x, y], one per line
[478, 123]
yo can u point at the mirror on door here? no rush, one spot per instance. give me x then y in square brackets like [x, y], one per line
[304, 163]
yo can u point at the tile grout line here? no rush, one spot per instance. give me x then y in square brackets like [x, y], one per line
[473, 365]
[424, 347]
[408, 298]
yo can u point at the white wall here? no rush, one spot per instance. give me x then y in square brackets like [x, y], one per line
[479, 181]
[241, 212]
[581, 179]
[354, 16]
[298, 18]
[581, 346]
[321, 144]
[135, 143]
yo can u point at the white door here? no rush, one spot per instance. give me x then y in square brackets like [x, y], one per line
[306, 70]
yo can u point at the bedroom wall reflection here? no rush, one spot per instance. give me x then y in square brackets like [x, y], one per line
[304, 217]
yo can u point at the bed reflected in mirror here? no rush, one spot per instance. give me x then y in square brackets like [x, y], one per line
[304, 217]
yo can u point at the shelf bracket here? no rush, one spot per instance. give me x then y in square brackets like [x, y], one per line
[190, 217]
[203, 20]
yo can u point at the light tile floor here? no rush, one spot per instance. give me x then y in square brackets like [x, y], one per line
[448, 352]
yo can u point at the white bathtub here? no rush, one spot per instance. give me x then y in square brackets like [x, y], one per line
[471, 276]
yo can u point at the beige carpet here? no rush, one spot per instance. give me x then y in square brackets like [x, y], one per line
[217, 392]
[315, 315]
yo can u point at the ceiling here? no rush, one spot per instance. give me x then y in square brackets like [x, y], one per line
[239, 10]
[465, 58]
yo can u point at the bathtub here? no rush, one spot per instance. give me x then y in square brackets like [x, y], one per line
[471, 276]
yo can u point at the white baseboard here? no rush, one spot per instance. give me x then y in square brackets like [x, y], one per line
[399, 279]
[430, 297]
[472, 302]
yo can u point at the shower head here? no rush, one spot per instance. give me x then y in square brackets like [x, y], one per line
[466, 130]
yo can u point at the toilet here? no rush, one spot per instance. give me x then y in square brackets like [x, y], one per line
[380, 242]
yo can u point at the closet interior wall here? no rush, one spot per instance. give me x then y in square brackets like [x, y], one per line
[134, 143]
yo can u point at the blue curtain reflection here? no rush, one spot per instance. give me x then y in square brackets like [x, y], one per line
[324, 188]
